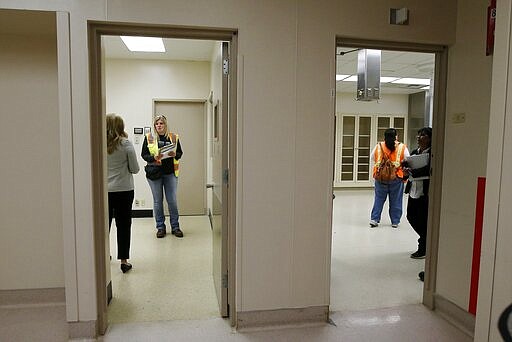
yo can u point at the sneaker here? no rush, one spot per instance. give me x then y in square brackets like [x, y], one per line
[160, 233]
[421, 275]
[394, 225]
[177, 232]
[373, 224]
[418, 255]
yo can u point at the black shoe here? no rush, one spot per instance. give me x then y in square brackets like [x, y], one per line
[126, 267]
[177, 232]
[418, 255]
[160, 233]
[421, 275]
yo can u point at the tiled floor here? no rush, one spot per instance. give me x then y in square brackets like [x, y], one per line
[371, 267]
[171, 278]
[375, 293]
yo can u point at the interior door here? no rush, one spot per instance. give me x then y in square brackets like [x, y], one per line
[220, 184]
[187, 119]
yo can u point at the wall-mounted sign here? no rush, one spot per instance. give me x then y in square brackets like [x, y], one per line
[138, 130]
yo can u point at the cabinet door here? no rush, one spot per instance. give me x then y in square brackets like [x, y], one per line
[355, 149]
[363, 148]
[347, 148]
[385, 122]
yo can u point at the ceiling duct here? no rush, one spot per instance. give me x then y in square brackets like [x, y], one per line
[368, 75]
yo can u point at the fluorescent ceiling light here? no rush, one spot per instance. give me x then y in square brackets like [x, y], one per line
[143, 44]
[425, 87]
[352, 78]
[341, 77]
[387, 79]
[407, 80]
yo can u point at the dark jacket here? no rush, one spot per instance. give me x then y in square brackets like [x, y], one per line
[420, 172]
[168, 163]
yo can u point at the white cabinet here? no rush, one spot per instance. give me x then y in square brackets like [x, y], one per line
[356, 135]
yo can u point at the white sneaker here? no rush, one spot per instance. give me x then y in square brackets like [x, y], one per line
[394, 225]
[373, 224]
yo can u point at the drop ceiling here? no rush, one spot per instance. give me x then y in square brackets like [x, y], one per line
[393, 63]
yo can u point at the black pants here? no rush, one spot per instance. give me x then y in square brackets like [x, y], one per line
[120, 208]
[417, 215]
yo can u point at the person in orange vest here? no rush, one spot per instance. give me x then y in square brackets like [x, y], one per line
[388, 175]
[162, 172]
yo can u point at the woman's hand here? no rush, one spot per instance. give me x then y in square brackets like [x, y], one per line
[172, 154]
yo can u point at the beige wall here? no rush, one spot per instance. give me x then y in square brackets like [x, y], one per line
[131, 86]
[469, 90]
[31, 244]
[495, 276]
[286, 77]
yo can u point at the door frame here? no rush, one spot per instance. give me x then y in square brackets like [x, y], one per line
[438, 127]
[96, 29]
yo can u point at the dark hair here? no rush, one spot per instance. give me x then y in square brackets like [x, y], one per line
[389, 138]
[425, 131]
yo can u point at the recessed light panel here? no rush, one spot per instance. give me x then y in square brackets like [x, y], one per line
[341, 77]
[408, 80]
[143, 44]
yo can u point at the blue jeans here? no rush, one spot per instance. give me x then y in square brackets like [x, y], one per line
[394, 190]
[169, 184]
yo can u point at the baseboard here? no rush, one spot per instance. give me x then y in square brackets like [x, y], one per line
[282, 317]
[455, 315]
[82, 330]
[28, 297]
[142, 213]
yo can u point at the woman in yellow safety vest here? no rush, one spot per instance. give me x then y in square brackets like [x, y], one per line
[162, 152]
[393, 186]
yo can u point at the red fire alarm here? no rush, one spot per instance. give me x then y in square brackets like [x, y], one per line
[491, 22]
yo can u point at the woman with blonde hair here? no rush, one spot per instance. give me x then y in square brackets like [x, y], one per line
[122, 164]
[162, 151]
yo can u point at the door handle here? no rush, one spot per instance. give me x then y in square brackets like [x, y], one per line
[209, 186]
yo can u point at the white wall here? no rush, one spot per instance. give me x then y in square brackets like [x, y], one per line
[469, 90]
[396, 104]
[495, 276]
[131, 86]
[31, 244]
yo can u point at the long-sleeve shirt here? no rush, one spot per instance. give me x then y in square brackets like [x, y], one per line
[122, 164]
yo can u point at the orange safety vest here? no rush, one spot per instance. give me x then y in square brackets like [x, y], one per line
[396, 157]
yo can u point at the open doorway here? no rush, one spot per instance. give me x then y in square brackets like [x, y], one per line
[371, 267]
[136, 89]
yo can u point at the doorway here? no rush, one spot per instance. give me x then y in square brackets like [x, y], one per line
[228, 160]
[358, 130]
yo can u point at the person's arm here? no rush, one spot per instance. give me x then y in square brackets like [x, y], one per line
[145, 152]
[133, 165]
[421, 171]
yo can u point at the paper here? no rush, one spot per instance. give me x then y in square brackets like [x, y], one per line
[164, 150]
[417, 161]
